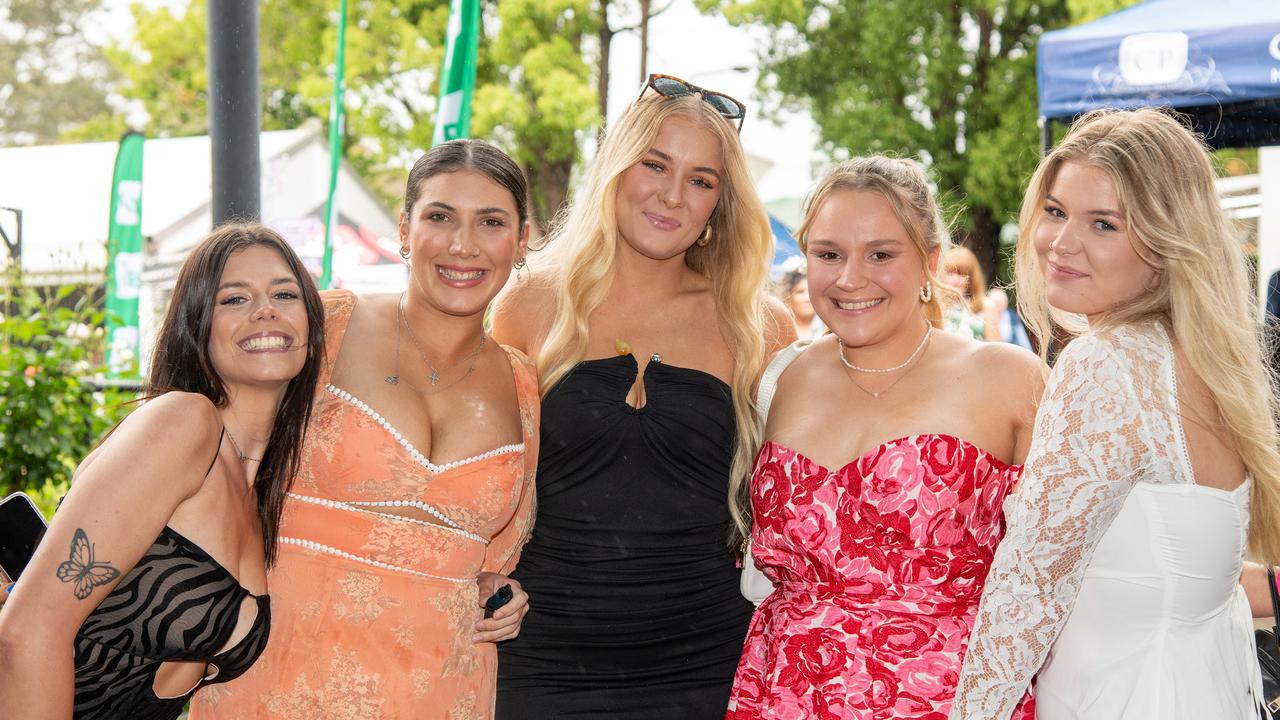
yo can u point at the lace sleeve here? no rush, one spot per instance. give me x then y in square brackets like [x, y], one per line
[1089, 448]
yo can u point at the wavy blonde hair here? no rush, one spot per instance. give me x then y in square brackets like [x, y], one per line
[1164, 179]
[583, 247]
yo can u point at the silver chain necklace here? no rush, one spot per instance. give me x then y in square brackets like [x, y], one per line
[394, 379]
[239, 452]
[876, 371]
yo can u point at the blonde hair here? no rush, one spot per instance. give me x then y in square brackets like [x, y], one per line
[1164, 179]
[736, 260]
[905, 186]
[961, 260]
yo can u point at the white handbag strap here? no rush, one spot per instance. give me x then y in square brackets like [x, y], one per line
[769, 381]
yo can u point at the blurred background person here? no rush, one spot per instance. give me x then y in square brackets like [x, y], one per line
[793, 289]
[963, 310]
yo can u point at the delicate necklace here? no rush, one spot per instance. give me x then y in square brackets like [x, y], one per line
[908, 365]
[394, 379]
[239, 452]
[919, 348]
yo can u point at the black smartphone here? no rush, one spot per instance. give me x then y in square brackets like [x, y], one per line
[499, 598]
[21, 527]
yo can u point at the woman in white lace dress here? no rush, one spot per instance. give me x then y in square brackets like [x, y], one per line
[1154, 447]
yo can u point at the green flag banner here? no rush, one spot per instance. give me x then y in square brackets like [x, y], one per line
[458, 77]
[337, 120]
[124, 259]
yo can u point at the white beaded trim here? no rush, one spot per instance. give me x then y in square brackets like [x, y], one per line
[310, 545]
[408, 446]
[354, 506]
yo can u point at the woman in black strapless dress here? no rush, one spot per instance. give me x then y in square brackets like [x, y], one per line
[151, 581]
[649, 336]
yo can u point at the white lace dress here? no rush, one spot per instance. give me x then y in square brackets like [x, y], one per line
[1117, 580]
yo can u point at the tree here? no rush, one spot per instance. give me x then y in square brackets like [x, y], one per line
[950, 82]
[530, 97]
[51, 78]
[540, 98]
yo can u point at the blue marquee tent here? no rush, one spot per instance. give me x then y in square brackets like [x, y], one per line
[1216, 62]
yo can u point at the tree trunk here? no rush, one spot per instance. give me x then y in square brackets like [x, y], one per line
[984, 240]
[549, 185]
[644, 39]
[602, 77]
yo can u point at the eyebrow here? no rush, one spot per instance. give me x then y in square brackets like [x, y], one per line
[1107, 212]
[481, 211]
[242, 284]
[702, 169]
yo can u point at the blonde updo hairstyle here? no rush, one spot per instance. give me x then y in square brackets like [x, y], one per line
[1202, 292]
[905, 186]
[582, 250]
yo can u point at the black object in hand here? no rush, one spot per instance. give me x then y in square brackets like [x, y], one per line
[499, 598]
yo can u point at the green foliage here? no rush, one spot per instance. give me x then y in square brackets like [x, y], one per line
[948, 82]
[535, 94]
[51, 78]
[52, 417]
[538, 95]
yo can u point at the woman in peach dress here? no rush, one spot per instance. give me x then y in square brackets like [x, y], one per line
[416, 488]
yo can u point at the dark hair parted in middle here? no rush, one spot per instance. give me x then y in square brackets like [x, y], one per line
[478, 155]
[182, 361]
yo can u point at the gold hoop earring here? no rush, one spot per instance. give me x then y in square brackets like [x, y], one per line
[926, 292]
[705, 238]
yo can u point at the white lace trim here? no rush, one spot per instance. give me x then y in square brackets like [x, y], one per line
[408, 446]
[311, 545]
[353, 506]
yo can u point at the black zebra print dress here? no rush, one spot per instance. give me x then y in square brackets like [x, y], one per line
[177, 603]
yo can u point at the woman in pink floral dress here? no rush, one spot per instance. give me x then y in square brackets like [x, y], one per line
[876, 497]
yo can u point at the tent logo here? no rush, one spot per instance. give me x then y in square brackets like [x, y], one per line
[1156, 58]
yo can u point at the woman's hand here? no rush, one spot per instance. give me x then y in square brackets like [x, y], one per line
[505, 623]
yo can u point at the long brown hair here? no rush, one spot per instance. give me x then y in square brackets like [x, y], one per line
[182, 361]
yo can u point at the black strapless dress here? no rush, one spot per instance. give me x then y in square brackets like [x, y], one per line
[635, 608]
[177, 603]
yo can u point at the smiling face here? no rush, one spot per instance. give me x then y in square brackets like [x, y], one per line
[462, 234]
[259, 330]
[864, 270]
[665, 200]
[1086, 251]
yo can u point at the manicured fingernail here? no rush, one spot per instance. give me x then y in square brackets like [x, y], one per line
[9, 588]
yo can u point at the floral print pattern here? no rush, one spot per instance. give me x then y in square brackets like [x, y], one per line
[878, 568]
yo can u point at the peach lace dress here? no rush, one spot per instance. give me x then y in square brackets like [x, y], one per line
[373, 614]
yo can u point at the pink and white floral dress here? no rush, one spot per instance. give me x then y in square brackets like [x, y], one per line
[878, 568]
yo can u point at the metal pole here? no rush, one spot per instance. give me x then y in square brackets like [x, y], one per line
[234, 114]
[1046, 135]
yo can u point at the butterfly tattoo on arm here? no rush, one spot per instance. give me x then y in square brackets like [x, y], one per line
[82, 569]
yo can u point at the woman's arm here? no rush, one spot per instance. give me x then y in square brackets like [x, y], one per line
[1088, 449]
[1253, 577]
[120, 501]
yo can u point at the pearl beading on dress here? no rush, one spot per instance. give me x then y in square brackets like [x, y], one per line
[318, 547]
[356, 506]
[408, 446]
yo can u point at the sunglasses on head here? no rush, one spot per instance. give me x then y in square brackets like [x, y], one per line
[671, 86]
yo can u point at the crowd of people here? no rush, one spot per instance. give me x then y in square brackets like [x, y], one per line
[529, 497]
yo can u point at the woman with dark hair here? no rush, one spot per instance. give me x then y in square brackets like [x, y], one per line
[151, 581]
[416, 487]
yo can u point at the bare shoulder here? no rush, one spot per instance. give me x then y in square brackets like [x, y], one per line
[779, 325]
[523, 311]
[1009, 366]
[175, 431]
